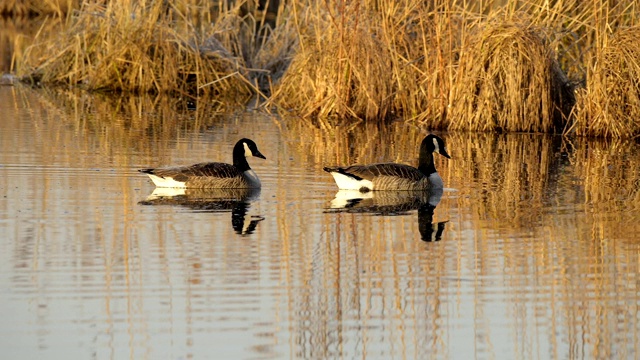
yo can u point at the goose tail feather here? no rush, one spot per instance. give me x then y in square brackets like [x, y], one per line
[342, 171]
[147, 171]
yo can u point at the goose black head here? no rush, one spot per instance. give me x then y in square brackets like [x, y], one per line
[250, 148]
[433, 143]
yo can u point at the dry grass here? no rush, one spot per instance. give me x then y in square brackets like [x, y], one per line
[14, 38]
[512, 82]
[609, 106]
[28, 8]
[439, 64]
[337, 71]
[374, 62]
[142, 52]
[445, 64]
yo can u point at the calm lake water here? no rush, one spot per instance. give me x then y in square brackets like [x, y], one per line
[531, 251]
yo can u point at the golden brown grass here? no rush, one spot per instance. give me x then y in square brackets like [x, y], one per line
[142, 52]
[14, 37]
[27, 8]
[512, 82]
[445, 64]
[337, 71]
[440, 64]
[359, 61]
[609, 106]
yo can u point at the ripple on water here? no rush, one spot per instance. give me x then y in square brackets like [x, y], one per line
[537, 255]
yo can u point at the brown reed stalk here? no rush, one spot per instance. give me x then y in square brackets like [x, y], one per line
[128, 48]
[442, 64]
[342, 67]
[425, 47]
[453, 65]
[509, 80]
[359, 61]
[30, 8]
[609, 106]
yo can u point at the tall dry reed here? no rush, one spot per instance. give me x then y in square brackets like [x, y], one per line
[609, 106]
[509, 80]
[445, 64]
[426, 62]
[339, 66]
[126, 47]
[449, 64]
[374, 62]
[29, 8]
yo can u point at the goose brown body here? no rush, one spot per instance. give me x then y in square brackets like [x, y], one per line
[392, 176]
[386, 176]
[211, 174]
[203, 175]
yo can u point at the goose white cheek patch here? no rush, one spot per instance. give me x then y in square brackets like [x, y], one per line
[247, 151]
[436, 148]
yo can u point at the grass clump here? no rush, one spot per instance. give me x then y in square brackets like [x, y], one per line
[29, 8]
[609, 106]
[375, 62]
[445, 64]
[338, 70]
[425, 41]
[126, 47]
[509, 81]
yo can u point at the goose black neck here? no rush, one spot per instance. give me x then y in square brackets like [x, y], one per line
[239, 159]
[425, 162]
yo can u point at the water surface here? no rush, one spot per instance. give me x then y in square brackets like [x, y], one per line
[531, 251]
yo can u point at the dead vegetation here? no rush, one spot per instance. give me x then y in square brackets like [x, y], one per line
[145, 51]
[609, 105]
[512, 82]
[30, 8]
[443, 65]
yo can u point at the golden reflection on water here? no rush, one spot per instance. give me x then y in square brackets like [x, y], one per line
[15, 36]
[537, 255]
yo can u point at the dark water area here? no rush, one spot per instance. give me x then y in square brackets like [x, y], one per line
[531, 251]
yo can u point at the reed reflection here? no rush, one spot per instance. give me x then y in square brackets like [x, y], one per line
[236, 201]
[394, 203]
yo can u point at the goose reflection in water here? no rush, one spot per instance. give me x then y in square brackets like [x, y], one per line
[236, 201]
[394, 203]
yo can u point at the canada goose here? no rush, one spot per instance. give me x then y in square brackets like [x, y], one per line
[213, 174]
[392, 176]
